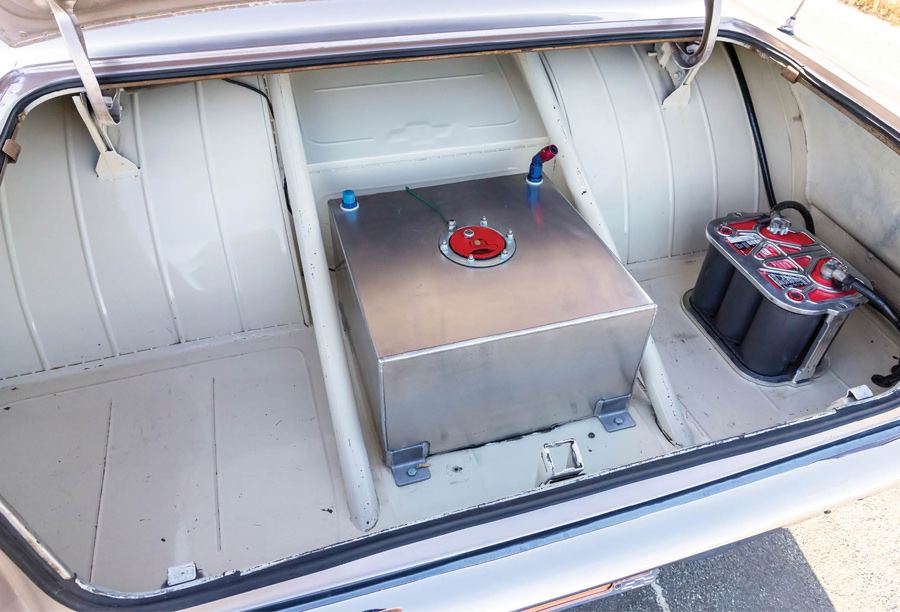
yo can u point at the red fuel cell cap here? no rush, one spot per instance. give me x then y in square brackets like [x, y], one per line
[478, 241]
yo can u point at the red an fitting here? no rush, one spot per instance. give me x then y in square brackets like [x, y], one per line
[537, 163]
[548, 152]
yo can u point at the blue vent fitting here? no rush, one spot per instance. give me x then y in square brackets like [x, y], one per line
[349, 200]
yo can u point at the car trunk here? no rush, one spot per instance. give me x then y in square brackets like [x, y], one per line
[163, 401]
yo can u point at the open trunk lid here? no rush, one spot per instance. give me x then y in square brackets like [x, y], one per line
[23, 22]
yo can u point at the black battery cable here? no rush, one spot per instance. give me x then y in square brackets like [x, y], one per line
[754, 124]
[800, 208]
[760, 147]
[842, 280]
[259, 91]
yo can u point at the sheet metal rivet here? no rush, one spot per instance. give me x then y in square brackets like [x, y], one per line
[411, 471]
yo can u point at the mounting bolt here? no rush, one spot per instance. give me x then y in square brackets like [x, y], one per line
[411, 471]
[444, 244]
[468, 232]
[484, 221]
[619, 420]
[509, 234]
[505, 253]
[451, 224]
[471, 259]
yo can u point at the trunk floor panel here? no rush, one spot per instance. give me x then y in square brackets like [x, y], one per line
[222, 463]
[223, 454]
[471, 477]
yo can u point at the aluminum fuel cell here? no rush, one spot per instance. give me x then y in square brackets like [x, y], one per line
[512, 318]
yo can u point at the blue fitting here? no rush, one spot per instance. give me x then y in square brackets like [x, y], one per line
[535, 172]
[349, 200]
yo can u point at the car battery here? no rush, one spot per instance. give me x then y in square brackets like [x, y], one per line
[507, 317]
[764, 297]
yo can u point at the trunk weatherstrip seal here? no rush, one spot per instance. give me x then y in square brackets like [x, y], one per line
[884, 434]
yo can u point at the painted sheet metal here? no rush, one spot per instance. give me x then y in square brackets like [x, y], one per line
[196, 246]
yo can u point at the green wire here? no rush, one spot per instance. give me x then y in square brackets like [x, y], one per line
[427, 203]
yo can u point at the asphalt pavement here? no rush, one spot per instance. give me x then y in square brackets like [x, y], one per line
[845, 559]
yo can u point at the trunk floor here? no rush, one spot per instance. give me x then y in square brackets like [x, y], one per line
[223, 454]
[221, 462]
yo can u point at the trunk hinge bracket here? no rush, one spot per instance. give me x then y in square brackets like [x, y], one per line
[682, 61]
[102, 109]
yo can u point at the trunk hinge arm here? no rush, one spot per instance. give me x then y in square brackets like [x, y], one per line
[682, 61]
[102, 109]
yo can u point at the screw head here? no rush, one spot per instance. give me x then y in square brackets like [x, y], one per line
[619, 420]
[411, 471]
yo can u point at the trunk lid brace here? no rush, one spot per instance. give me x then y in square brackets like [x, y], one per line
[102, 110]
[682, 61]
